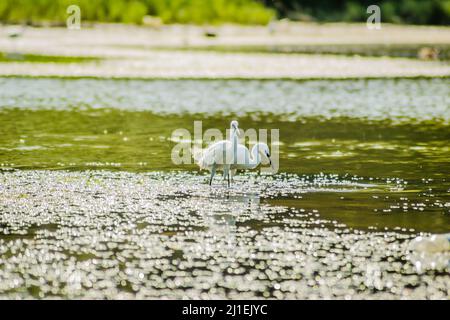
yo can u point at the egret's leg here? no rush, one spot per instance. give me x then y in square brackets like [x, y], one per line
[233, 173]
[226, 169]
[229, 179]
[213, 172]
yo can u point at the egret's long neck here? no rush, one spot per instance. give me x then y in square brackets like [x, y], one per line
[256, 157]
[234, 137]
[234, 143]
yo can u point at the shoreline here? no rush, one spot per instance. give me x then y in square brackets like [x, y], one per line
[185, 52]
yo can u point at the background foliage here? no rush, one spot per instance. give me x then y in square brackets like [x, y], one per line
[219, 11]
[396, 11]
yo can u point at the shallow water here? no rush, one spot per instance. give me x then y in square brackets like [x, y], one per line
[91, 200]
[401, 100]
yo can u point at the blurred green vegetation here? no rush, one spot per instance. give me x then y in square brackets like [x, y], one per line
[133, 11]
[435, 12]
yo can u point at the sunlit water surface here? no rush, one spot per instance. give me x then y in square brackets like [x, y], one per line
[91, 204]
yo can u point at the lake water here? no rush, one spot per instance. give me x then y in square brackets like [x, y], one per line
[91, 204]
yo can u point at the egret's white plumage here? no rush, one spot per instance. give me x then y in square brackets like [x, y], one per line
[221, 154]
[250, 160]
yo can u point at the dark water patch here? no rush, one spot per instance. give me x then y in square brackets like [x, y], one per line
[142, 141]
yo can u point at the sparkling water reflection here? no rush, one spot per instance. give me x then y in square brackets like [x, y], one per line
[91, 205]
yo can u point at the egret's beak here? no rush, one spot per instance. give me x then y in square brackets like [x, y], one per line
[270, 160]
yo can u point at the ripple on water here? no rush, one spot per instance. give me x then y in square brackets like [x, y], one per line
[377, 99]
[101, 234]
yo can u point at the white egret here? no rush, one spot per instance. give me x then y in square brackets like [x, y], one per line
[246, 160]
[221, 154]
[228, 155]
[234, 134]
